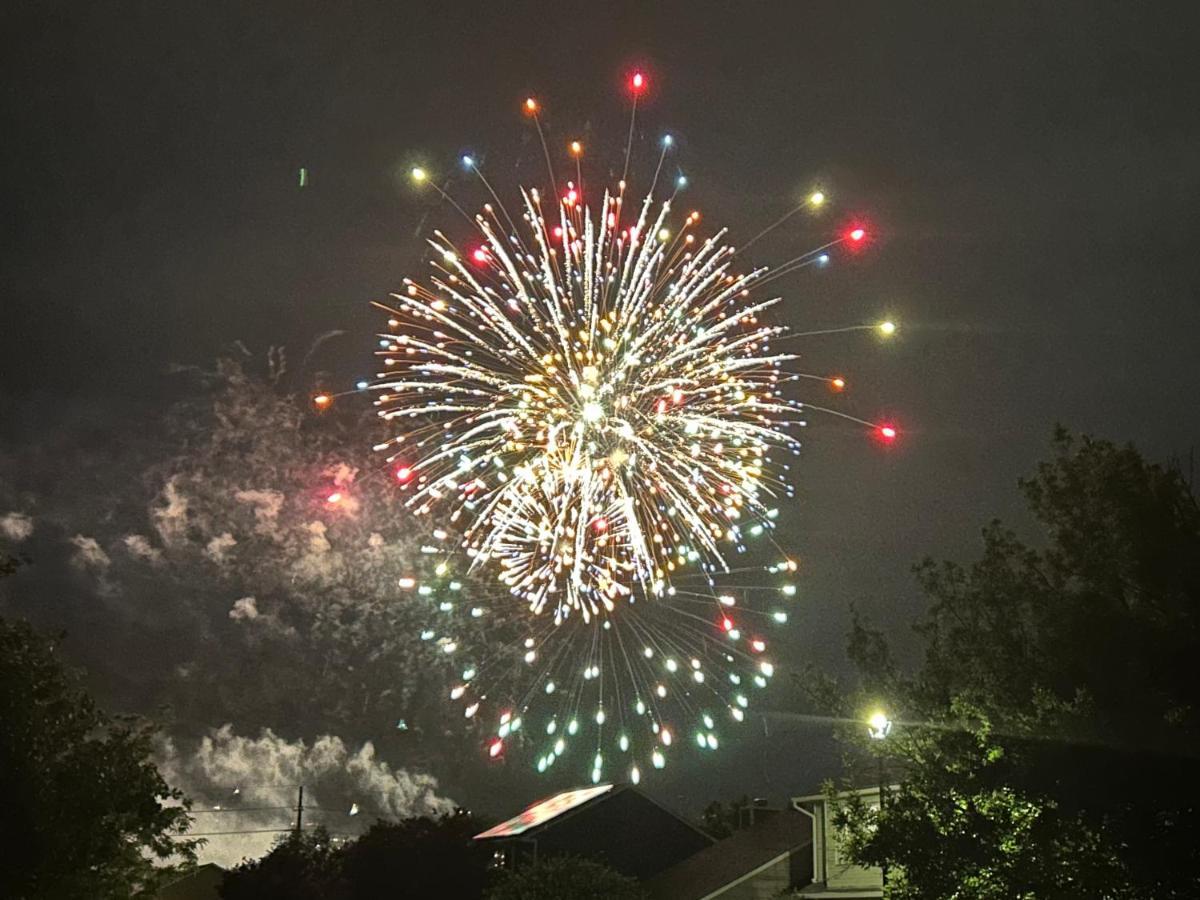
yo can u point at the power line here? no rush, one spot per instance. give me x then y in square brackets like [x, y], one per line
[281, 830]
[250, 809]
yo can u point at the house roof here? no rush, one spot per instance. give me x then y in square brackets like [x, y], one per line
[738, 856]
[567, 803]
[202, 883]
[544, 811]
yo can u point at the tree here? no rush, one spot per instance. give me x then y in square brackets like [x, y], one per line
[301, 866]
[1048, 739]
[721, 820]
[565, 878]
[417, 857]
[429, 857]
[86, 813]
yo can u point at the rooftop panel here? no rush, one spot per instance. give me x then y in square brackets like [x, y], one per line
[544, 811]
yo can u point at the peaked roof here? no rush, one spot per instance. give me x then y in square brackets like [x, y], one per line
[734, 858]
[202, 883]
[543, 811]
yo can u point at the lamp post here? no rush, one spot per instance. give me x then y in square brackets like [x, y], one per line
[879, 726]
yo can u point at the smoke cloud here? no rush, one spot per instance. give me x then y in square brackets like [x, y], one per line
[203, 575]
[250, 784]
[89, 554]
[16, 526]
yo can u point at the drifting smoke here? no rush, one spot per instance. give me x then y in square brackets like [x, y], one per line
[88, 554]
[140, 547]
[246, 608]
[216, 577]
[16, 526]
[242, 784]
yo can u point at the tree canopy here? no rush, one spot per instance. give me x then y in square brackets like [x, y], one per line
[721, 820]
[417, 857]
[429, 857]
[303, 865]
[1045, 746]
[565, 878]
[86, 813]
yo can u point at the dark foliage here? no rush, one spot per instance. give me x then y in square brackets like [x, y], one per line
[419, 857]
[85, 811]
[565, 878]
[721, 820]
[301, 866]
[1049, 738]
[429, 857]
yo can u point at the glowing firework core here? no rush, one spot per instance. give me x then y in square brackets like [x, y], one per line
[583, 370]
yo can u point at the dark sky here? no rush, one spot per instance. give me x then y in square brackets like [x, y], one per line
[1032, 173]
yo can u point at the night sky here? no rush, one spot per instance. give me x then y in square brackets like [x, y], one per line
[1030, 174]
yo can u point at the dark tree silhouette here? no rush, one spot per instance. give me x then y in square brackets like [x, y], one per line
[301, 866]
[418, 857]
[428, 857]
[1048, 740]
[85, 812]
[722, 819]
[565, 878]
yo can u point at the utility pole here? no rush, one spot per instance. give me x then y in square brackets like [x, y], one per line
[883, 867]
[300, 811]
[879, 726]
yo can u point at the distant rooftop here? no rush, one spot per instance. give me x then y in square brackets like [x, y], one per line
[202, 883]
[736, 859]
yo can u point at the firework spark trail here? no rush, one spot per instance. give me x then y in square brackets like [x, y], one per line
[593, 408]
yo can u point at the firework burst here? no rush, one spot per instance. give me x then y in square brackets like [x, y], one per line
[591, 407]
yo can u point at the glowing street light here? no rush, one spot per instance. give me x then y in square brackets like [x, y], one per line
[879, 725]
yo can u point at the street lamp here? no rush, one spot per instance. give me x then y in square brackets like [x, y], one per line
[879, 726]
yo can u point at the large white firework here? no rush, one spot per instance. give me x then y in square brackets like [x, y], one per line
[596, 405]
[590, 408]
